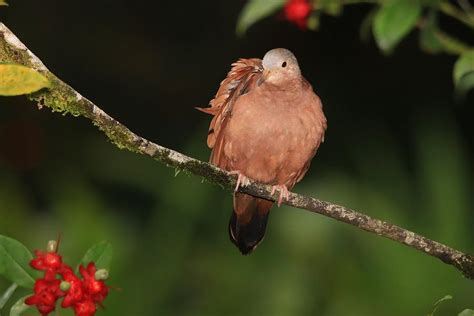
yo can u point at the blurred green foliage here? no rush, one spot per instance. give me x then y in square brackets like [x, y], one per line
[391, 21]
[256, 10]
[18, 80]
[394, 21]
[177, 260]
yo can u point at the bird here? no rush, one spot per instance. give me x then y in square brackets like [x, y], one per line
[267, 126]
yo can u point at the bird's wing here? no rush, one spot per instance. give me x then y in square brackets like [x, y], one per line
[242, 77]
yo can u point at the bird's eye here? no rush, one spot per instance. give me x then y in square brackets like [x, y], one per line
[284, 64]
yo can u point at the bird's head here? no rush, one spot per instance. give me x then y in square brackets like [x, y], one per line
[279, 65]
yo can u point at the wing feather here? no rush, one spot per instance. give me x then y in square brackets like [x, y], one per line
[241, 78]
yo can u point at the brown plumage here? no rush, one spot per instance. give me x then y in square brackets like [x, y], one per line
[267, 125]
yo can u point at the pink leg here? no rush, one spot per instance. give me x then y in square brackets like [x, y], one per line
[284, 193]
[242, 181]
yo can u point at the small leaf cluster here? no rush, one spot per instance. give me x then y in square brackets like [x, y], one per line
[390, 21]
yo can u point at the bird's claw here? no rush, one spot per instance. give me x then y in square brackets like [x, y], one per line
[284, 193]
[242, 181]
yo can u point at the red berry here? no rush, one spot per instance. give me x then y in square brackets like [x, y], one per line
[297, 11]
[45, 309]
[75, 292]
[85, 308]
[95, 288]
[46, 294]
[46, 260]
[82, 295]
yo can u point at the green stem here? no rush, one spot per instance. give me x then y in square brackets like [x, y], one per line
[467, 7]
[8, 293]
[19, 307]
[452, 11]
[451, 45]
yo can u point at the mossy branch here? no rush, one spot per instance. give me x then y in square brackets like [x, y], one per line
[62, 98]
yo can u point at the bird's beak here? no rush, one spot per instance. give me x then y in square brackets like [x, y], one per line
[265, 75]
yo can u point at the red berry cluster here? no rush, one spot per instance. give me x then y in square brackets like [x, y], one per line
[297, 11]
[82, 295]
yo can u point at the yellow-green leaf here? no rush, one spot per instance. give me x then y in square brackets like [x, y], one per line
[18, 80]
[2, 2]
[394, 20]
[256, 10]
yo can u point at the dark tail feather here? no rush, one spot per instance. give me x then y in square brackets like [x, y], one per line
[247, 236]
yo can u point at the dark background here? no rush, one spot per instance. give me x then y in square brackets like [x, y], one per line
[398, 147]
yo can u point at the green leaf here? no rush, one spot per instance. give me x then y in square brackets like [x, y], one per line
[256, 10]
[14, 262]
[394, 20]
[467, 312]
[331, 7]
[366, 26]
[100, 254]
[463, 72]
[464, 86]
[19, 307]
[463, 66]
[429, 41]
[439, 302]
[314, 21]
[18, 80]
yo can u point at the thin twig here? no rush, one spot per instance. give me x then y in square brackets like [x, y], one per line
[466, 6]
[7, 294]
[61, 97]
[452, 11]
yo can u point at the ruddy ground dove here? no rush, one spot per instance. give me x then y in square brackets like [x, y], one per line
[267, 125]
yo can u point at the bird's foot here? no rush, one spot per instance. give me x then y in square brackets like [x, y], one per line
[242, 181]
[284, 193]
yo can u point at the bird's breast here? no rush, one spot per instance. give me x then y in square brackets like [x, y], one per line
[271, 138]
